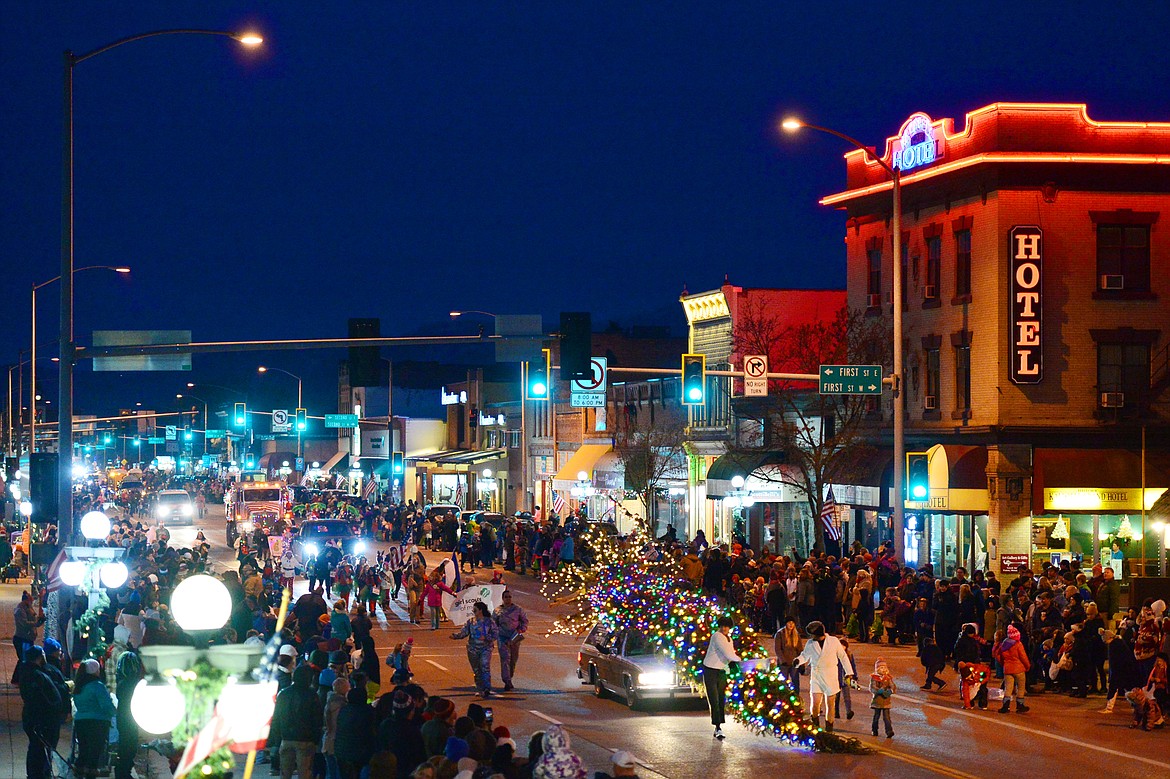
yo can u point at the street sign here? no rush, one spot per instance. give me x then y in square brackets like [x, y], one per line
[172, 433]
[211, 433]
[341, 420]
[755, 375]
[280, 423]
[851, 380]
[300, 463]
[266, 437]
[156, 441]
[590, 393]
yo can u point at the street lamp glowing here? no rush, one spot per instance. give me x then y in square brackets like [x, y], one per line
[792, 125]
[262, 369]
[250, 39]
[456, 313]
[121, 269]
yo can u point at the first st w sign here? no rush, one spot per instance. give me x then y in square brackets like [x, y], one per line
[1026, 249]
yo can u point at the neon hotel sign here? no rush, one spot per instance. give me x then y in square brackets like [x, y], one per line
[917, 144]
[1026, 249]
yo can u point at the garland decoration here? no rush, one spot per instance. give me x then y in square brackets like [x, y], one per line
[628, 584]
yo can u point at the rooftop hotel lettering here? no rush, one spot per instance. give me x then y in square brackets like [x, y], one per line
[918, 144]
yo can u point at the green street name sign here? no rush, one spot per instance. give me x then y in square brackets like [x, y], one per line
[851, 380]
[341, 420]
[156, 440]
[214, 433]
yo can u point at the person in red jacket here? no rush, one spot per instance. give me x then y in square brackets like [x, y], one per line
[1011, 654]
[433, 595]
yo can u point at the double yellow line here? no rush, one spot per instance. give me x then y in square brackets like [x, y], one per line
[922, 762]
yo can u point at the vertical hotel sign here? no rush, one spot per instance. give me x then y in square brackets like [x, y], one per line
[1027, 265]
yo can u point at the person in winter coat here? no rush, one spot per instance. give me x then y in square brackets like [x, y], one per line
[720, 654]
[788, 645]
[805, 596]
[822, 654]
[93, 711]
[481, 633]
[1011, 654]
[298, 723]
[433, 596]
[933, 661]
[356, 737]
[41, 717]
[339, 623]
[923, 623]
[883, 687]
[1123, 674]
[333, 706]
[863, 604]
[401, 734]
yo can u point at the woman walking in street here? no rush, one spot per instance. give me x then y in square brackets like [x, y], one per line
[720, 654]
[481, 634]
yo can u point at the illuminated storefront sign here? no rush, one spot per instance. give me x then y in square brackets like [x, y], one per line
[918, 144]
[452, 398]
[1027, 263]
[1099, 499]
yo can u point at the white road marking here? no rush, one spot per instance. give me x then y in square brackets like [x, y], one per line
[436, 665]
[636, 760]
[544, 717]
[1033, 732]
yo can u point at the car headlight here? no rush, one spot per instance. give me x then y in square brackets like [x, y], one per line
[311, 550]
[160, 511]
[188, 510]
[656, 679]
[359, 547]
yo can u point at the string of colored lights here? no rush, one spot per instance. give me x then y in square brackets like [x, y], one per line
[626, 584]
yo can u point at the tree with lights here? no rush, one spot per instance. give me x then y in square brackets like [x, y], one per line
[629, 585]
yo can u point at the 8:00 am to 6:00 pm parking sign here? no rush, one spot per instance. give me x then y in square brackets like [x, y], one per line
[851, 380]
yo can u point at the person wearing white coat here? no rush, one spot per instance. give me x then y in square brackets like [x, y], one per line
[720, 654]
[822, 654]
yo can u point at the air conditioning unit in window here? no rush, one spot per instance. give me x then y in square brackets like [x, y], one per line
[874, 300]
[930, 291]
[1112, 281]
[930, 402]
[1112, 399]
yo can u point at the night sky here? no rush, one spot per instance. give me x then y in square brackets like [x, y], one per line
[404, 159]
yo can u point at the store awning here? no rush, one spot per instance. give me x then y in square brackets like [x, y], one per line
[745, 464]
[338, 463]
[457, 459]
[1100, 481]
[586, 459]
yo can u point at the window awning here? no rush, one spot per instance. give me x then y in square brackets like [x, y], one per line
[1100, 481]
[727, 466]
[457, 459]
[586, 459]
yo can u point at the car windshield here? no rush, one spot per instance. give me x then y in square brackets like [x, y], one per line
[174, 498]
[265, 494]
[636, 644]
[317, 529]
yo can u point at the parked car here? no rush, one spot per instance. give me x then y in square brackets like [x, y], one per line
[315, 533]
[173, 507]
[625, 664]
[433, 510]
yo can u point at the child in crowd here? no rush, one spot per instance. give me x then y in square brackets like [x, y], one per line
[883, 687]
[933, 661]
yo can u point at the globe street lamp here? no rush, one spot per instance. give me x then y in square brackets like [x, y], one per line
[65, 334]
[793, 125]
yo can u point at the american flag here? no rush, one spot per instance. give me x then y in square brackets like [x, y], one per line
[54, 574]
[829, 517]
[371, 488]
[558, 501]
[459, 494]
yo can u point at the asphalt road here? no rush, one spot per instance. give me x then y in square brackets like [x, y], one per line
[934, 736]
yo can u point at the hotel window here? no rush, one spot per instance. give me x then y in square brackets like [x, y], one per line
[933, 267]
[963, 263]
[963, 377]
[1123, 368]
[873, 285]
[930, 400]
[1123, 257]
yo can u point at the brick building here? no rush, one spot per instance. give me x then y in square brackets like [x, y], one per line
[1036, 331]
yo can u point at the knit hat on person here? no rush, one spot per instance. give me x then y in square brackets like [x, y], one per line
[327, 678]
[881, 670]
[468, 764]
[455, 749]
[815, 629]
[401, 700]
[463, 726]
[1013, 633]
[51, 646]
[558, 760]
[91, 667]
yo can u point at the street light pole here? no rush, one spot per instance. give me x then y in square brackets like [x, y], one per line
[65, 334]
[300, 401]
[792, 125]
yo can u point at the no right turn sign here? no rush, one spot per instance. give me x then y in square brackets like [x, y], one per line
[755, 375]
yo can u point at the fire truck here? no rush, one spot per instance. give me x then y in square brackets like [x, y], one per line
[252, 504]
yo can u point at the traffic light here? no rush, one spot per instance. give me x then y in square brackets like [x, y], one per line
[249, 460]
[694, 379]
[917, 476]
[240, 417]
[397, 464]
[473, 417]
[539, 381]
[187, 433]
[302, 420]
[42, 487]
[106, 439]
[576, 345]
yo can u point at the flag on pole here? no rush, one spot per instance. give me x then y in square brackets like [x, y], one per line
[54, 573]
[455, 561]
[558, 501]
[829, 517]
[459, 494]
[371, 488]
